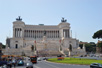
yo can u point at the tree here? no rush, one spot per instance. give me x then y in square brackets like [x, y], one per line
[97, 34]
[81, 46]
[3, 46]
[99, 44]
[99, 47]
[90, 47]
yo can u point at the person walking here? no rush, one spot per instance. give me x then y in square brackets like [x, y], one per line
[14, 62]
[9, 65]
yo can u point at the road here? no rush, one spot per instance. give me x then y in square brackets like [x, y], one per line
[45, 64]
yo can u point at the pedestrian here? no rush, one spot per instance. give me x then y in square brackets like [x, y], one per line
[14, 63]
[9, 65]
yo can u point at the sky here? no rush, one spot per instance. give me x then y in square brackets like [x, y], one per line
[84, 16]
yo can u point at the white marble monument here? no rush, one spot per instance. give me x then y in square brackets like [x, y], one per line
[24, 36]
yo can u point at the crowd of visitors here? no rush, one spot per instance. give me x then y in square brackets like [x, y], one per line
[10, 62]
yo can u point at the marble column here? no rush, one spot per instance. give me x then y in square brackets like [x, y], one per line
[31, 33]
[57, 34]
[49, 34]
[68, 33]
[18, 32]
[26, 33]
[65, 33]
[38, 34]
[53, 34]
[15, 32]
[35, 34]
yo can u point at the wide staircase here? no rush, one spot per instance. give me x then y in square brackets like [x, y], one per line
[52, 49]
[48, 53]
[12, 51]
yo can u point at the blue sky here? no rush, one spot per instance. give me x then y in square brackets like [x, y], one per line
[84, 16]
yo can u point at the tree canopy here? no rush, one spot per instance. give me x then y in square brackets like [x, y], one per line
[99, 44]
[97, 34]
[89, 47]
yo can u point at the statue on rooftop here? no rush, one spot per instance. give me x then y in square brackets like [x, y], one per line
[63, 20]
[19, 19]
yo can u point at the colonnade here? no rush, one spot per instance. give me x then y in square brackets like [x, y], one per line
[18, 32]
[66, 33]
[40, 33]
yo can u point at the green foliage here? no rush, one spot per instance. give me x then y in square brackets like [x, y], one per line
[75, 61]
[81, 46]
[3, 46]
[97, 34]
[89, 47]
[99, 44]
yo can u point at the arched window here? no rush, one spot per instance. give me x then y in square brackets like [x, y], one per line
[16, 46]
[70, 47]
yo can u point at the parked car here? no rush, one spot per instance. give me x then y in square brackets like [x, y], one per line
[81, 55]
[3, 63]
[29, 65]
[96, 65]
[45, 58]
[39, 59]
[3, 66]
[20, 62]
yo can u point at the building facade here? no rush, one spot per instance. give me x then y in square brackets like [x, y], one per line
[98, 47]
[46, 38]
